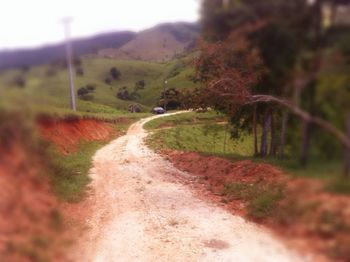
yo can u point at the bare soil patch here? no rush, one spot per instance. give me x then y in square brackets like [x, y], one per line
[66, 134]
[307, 217]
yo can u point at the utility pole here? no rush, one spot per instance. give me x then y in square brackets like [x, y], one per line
[66, 23]
[164, 94]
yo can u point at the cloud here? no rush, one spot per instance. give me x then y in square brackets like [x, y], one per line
[35, 22]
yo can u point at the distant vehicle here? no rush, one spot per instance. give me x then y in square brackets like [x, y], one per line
[158, 110]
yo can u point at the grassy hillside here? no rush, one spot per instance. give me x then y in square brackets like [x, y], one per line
[47, 86]
[45, 54]
[207, 133]
[160, 43]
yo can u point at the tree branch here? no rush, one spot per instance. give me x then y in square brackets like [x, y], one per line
[303, 115]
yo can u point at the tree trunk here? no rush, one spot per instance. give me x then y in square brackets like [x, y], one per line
[265, 131]
[256, 151]
[285, 118]
[304, 116]
[225, 138]
[272, 135]
[347, 150]
[305, 143]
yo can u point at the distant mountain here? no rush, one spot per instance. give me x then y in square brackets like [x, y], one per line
[46, 54]
[158, 44]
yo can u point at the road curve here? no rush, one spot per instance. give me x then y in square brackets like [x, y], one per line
[141, 213]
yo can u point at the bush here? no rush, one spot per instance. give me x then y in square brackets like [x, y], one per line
[115, 73]
[140, 85]
[264, 204]
[19, 81]
[79, 71]
[108, 81]
[262, 199]
[339, 185]
[84, 92]
[91, 87]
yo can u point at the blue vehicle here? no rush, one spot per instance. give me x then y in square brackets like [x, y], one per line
[158, 110]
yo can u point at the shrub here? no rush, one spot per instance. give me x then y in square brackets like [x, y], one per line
[108, 81]
[262, 199]
[264, 204]
[140, 85]
[115, 73]
[79, 71]
[339, 185]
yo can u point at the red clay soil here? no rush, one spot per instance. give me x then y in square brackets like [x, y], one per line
[31, 221]
[312, 219]
[30, 225]
[67, 134]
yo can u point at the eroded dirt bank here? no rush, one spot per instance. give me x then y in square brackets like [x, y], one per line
[141, 212]
[308, 217]
[66, 134]
[30, 223]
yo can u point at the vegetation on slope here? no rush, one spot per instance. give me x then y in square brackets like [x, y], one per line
[252, 185]
[47, 86]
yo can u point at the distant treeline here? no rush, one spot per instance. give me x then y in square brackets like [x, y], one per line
[42, 55]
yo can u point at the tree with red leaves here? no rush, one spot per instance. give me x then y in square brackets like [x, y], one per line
[231, 68]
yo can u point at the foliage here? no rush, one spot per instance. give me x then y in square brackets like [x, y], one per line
[85, 92]
[70, 173]
[19, 81]
[172, 98]
[291, 52]
[189, 118]
[229, 71]
[124, 94]
[79, 71]
[262, 199]
[115, 73]
[339, 185]
[203, 135]
[140, 85]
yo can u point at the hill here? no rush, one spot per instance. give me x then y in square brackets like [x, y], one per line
[46, 86]
[47, 54]
[158, 44]
[150, 58]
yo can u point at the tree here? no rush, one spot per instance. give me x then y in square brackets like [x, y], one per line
[91, 87]
[140, 85]
[79, 71]
[292, 50]
[84, 92]
[19, 81]
[124, 94]
[173, 99]
[108, 81]
[115, 73]
[231, 70]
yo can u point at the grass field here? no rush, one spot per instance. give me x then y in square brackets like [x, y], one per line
[206, 133]
[47, 86]
[70, 173]
[45, 92]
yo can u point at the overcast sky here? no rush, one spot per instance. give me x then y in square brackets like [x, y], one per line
[30, 23]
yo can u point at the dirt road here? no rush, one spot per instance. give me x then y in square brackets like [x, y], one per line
[141, 213]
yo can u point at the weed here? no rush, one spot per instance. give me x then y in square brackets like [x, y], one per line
[70, 173]
[264, 204]
[41, 241]
[262, 199]
[339, 185]
[56, 220]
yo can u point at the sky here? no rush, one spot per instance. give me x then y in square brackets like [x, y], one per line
[31, 23]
